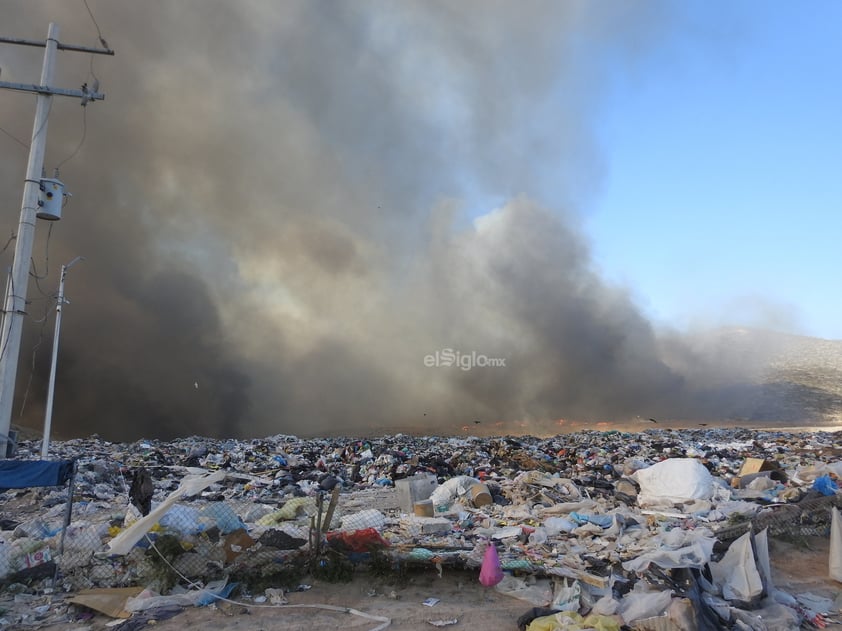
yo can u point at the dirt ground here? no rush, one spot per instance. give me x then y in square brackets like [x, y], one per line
[459, 593]
[798, 567]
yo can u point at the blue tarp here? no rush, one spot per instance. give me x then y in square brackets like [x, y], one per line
[21, 474]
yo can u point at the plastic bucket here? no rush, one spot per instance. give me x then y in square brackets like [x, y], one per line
[480, 495]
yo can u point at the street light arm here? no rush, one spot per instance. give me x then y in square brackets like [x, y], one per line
[67, 266]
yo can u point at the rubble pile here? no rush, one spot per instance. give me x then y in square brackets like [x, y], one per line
[614, 527]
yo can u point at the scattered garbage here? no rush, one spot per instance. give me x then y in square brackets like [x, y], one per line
[595, 529]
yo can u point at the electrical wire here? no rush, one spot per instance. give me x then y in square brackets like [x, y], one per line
[34, 354]
[96, 26]
[46, 118]
[42, 321]
[8, 243]
[101, 41]
[96, 81]
[38, 285]
[46, 260]
[15, 138]
[81, 141]
[5, 315]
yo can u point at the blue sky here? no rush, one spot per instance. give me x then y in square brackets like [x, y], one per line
[720, 200]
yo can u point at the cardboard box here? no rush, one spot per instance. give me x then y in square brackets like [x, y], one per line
[752, 467]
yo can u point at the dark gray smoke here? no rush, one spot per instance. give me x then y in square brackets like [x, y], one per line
[276, 203]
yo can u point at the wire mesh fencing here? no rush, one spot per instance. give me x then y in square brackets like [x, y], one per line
[230, 528]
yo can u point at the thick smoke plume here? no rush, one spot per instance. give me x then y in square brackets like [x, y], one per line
[284, 208]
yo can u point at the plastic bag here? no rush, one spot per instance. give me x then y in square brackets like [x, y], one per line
[452, 489]
[764, 564]
[675, 479]
[572, 621]
[603, 521]
[825, 485]
[222, 516]
[606, 606]
[639, 604]
[363, 540]
[567, 596]
[737, 572]
[369, 518]
[695, 555]
[538, 536]
[538, 593]
[491, 571]
[835, 557]
[555, 525]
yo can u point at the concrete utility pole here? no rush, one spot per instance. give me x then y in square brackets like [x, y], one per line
[48, 415]
[14, 305]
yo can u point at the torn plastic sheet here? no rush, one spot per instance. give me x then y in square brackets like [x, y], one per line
[538, 592]
[190, 485]
[452, 489]
[764, 563]
[835, 556]
[148, 599]
[290, 510]
[640, 603]
[695, 555]
[676, 548]
[737, 572]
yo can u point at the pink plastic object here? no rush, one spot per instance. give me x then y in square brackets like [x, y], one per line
[491, 572]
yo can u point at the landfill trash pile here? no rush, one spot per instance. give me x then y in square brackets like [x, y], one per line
[591, 529]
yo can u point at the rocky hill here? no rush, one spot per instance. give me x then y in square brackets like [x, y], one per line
[786, 379]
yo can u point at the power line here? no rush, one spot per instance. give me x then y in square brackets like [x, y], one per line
[5, 314]
[93, 19]
[34, 355]
[8, 243]
[46, 119]
[82, 140]
[91, 70]
[101, 40]
[15, 138]
[46, 258]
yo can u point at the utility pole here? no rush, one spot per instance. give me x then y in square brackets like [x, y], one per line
[48, 415]
[14, 304]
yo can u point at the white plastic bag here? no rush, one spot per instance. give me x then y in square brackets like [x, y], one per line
[675, 479]
[835, 557]
[567, 596]
[638, 604]
[539, 593]
[555, 525]
[538, 537]
[737, 574]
